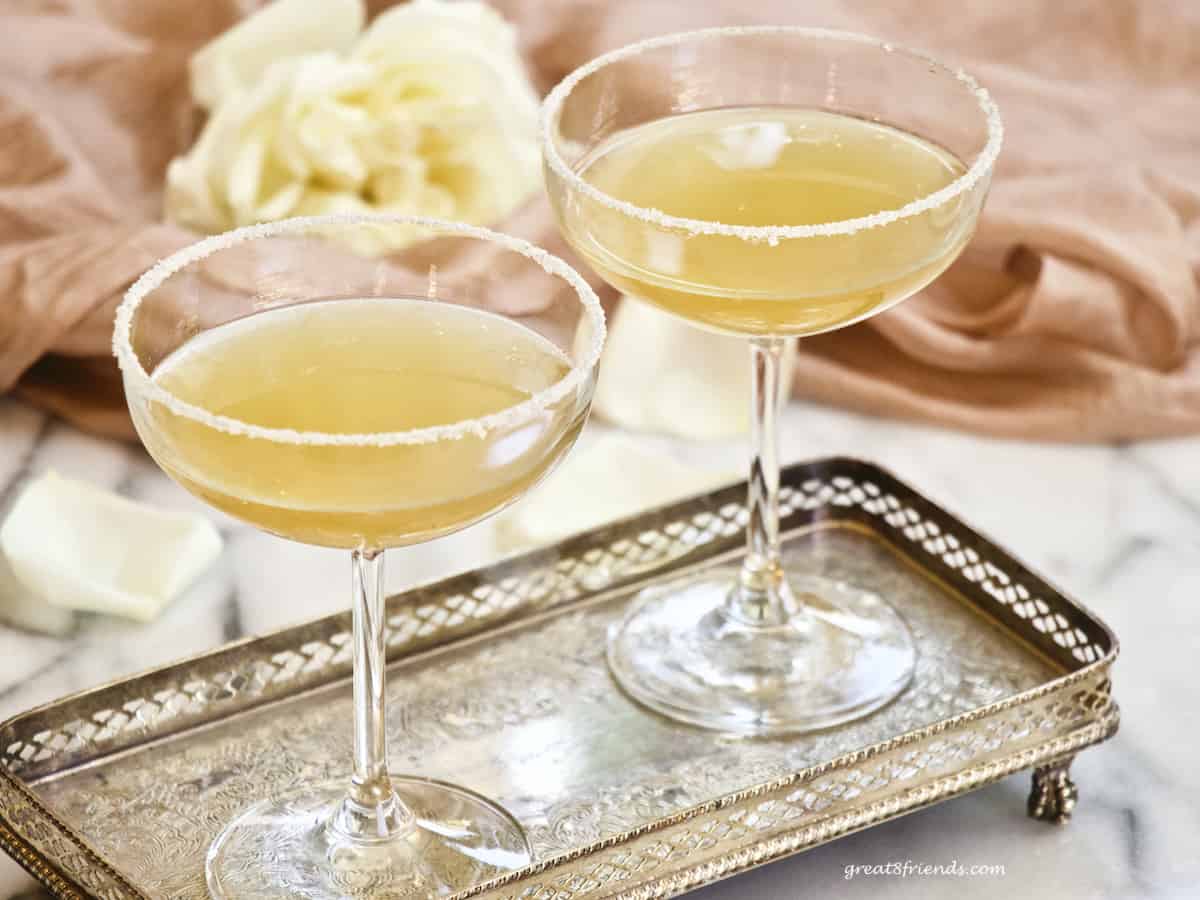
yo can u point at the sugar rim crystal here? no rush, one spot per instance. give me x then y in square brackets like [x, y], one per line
[154, 277]
[770, 233]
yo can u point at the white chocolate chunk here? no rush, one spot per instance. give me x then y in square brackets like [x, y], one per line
[612, 477]
[79, 547]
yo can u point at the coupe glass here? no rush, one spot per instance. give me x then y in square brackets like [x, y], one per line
[401, 466]
[758, 649]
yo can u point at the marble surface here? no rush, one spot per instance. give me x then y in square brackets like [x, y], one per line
[1119, 527]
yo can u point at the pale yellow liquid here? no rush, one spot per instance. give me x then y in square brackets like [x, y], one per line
[361, 366]
[768, 166]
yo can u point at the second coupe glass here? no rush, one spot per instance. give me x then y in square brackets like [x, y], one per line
[770, 182]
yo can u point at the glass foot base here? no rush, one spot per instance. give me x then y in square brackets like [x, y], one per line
[844, 655]
[282, 848]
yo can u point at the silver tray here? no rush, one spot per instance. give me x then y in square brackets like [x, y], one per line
[498, 682]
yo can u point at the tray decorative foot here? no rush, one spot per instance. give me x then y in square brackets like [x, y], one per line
[1053, 795]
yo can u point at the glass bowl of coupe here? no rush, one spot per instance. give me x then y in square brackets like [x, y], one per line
[290, 377]
[769, 182]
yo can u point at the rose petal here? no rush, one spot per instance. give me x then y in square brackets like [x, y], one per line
[188, 197]
[237, 60]
[280, 204]
[27, 609]
[81, 547]
[364, 241]
[245, 176]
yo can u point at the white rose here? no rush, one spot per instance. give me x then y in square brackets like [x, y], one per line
[429, 113]
[238, 59]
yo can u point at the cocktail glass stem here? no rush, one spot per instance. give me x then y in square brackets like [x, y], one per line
[761, 596]
[371, 810]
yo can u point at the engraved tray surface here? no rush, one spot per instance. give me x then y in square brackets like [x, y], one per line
[498, 682]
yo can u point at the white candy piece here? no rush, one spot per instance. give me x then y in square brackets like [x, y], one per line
[77, 546]
[661, 374]
[612, 477]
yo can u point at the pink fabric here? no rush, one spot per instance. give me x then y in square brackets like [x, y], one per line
[1072, 315]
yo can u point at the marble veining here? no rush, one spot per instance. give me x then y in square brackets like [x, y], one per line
[1118, 527]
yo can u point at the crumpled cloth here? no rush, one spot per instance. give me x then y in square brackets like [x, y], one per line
[1073, 314]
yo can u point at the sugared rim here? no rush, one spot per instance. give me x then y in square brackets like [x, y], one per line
[769, 233]
[137, 376]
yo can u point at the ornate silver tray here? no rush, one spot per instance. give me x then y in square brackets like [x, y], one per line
[498, 682]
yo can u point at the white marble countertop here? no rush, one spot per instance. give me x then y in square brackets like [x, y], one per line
[1119, 527]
